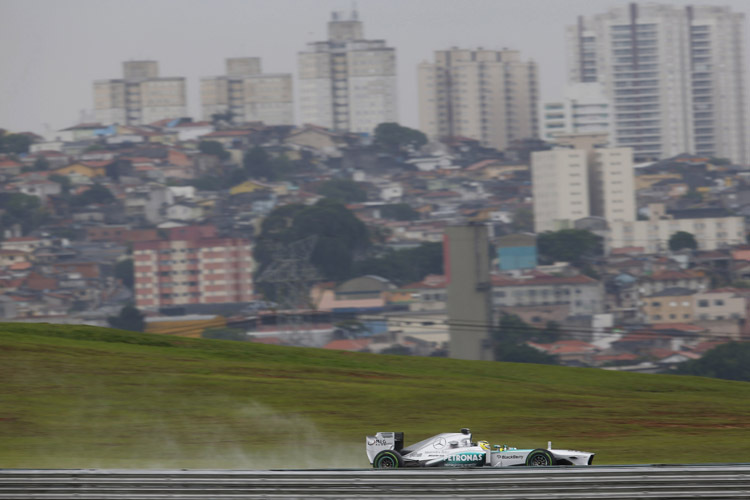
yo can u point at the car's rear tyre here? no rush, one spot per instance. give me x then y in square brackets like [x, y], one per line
[388, 459]
[540, 458]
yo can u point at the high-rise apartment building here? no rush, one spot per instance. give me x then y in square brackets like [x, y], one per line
[141, 96]
[248, 94]
[487, 95]
[192, 266]
[584, 109]
[582, 178]
[347, 83]
[675, 76]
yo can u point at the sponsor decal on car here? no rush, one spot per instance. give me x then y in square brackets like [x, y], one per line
[465, 458]
[378, 442]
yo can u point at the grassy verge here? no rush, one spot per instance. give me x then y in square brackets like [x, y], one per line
[76, 396]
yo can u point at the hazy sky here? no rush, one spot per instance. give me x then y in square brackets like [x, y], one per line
[51, 51]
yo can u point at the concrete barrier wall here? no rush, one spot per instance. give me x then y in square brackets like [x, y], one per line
[596, 482]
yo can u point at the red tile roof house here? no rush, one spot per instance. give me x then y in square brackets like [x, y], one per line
[9, 168]
[348, 345]
[569, 352]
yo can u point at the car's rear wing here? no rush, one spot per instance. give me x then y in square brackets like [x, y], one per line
[383, 441]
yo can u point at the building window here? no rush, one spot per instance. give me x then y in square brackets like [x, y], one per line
[702, 303]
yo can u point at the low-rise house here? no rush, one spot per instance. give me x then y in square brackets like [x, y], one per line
[580, 294]
[363, 294]
[658, 281]
[426, 295]
[569, 352]
[720, 304]
[318, 139]
[24, 243]
[11, 256]
[670, 305]
[712, 228]
[184, 211]
[9, 168]
[41, 188]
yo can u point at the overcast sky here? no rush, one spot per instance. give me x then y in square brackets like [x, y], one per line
[51, 51]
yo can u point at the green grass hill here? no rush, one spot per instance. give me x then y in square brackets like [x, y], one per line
[86, 397]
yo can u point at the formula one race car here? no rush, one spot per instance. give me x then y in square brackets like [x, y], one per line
[385, 450]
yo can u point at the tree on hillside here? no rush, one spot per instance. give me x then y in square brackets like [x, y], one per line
[214, 148]
[21, 209]
[729, 361]
[510, 336]
[568, 245]
[96, 194]
[340, 236]
[395, 139]
[64, 181]
[523, 220]
[41, 164]
[124, 272]
[14, 143]
[682, 239]
[260, 165]
[343, 190]
[404, 266]
[130, 318]
[399, 211]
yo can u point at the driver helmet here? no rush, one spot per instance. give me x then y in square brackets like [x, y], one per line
[485, 445]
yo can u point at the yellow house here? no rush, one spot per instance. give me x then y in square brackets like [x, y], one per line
[88, 169]
[247, 187]
[281, 189]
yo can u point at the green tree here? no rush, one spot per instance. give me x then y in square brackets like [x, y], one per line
[568, 245]
[404, 266]
[523, 220]
[96, 194]
[124, 272]
[214, 148]
[340, 236]
[682, 239]
[399, 211]
[41, 164]
[14, 143]
[21, 209]
[64, 182]
[729, 361]
[510, 337]
[395, 139]
[343, 190]
[130, 318]
[257, 164]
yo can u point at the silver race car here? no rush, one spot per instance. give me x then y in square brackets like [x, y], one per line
[385, 450]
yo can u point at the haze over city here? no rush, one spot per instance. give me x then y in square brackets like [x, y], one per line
[55, 50]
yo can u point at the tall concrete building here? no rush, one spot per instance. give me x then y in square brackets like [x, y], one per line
[584, 109]
[347, 83]
[192, 265]
[248, 94]
[487, 95]
[675, 75]
[582, 178]
[141, 96]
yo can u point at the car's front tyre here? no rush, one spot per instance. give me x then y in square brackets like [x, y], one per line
[540, 458]
[388, 459]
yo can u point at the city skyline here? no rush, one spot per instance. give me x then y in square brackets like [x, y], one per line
[191, 39]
